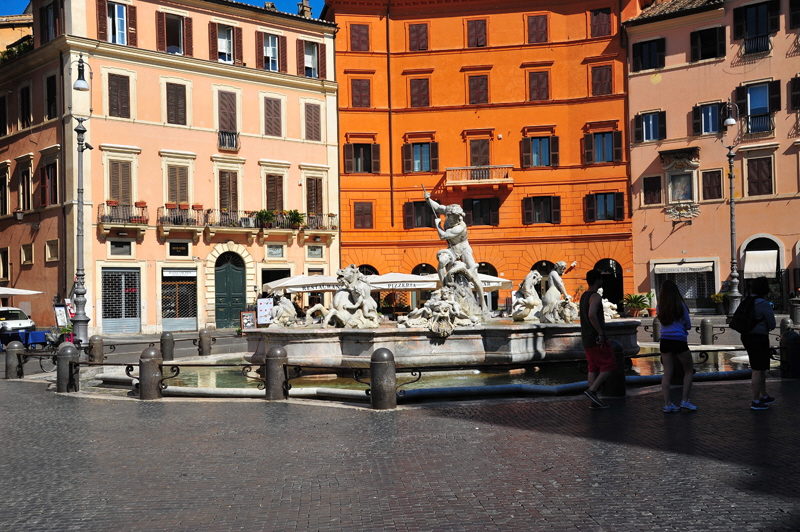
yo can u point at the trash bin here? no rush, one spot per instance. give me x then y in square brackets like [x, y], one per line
[794, 310]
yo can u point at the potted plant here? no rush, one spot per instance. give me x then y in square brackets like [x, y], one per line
[719, 300]
[266, 217]
[140, 204]
[295, 218]
[170, 205]
[650, 309]
[634, 303]
[183, 206]
[197, 206]
[112, 203]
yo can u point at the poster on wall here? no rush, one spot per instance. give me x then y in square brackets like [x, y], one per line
[264, 310]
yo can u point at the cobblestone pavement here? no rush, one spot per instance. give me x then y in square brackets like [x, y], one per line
[72, 462]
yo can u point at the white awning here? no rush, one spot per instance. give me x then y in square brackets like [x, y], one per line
[760, 263]
[686, 267]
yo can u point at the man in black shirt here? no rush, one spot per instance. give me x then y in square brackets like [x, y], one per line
[599, 353]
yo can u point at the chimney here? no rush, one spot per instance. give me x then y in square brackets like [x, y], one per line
[270, 6]
[303, 9]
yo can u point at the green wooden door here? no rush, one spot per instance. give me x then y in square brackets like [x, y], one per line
[230, 290]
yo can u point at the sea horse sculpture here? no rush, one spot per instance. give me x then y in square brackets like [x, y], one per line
[352, 306]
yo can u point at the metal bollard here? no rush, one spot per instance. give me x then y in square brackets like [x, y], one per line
[150, 374]
[614, 385]
[96, 349]
[383, 380]
[656, 330]
[13, 369]
[790, 355]
[204, 342]
[167, 346]
[786, 324]
[794, 310]
[274, 361]
[706, 331]
[66, 376]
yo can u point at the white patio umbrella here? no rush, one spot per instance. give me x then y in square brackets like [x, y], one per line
[6, 291]
[402, 282]
[303, 283]
[490, 282]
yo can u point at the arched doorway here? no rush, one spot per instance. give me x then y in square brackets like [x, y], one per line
[491, 297]
[762, 259]
[613, 288]
[421, 296]
[366, 269]
[230, 293]
[544, 267]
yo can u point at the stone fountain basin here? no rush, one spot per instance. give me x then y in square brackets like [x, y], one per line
[500, 342]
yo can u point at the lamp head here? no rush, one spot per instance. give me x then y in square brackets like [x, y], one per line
[80, 83]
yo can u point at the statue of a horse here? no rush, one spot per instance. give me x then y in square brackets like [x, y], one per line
[352, 306]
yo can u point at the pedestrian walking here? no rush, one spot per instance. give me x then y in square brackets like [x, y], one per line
[756, 341]
[675, 325]
[599, 352]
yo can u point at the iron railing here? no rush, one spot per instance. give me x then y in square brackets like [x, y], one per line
[178, 216]
[122, 214]
[758, 44]
[228, 140]
[480, 173]
[764, 123]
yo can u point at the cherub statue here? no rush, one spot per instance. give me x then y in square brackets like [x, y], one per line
[609, 308]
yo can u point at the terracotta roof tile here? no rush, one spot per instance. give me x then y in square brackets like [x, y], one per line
[666, 8]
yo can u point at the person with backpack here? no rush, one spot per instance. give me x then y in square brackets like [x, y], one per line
[757, 319]
[673, 314]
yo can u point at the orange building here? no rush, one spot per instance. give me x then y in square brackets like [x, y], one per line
[514, 111]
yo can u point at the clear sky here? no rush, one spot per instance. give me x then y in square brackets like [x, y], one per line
[15, 7]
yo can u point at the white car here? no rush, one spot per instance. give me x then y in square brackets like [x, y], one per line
[14, 319]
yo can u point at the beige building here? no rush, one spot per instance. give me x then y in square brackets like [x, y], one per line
[210, 123]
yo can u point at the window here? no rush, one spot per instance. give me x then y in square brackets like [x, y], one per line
[48, 185]
[794, 14]
[754, 23]
[275, 193]
[420, 157]
[314, 252]
[712, 184]
[228, 131]
[537, 29]
[539, 151]
[419, 93]
[174, 34]
[476, 33]
[359, 37]
[228, 190]
[362, 215]
[360, 89]
[119, 96]
[4, 264]
[601, 22]
[178, 184]
[648, 54]
[794, 97]
[707, 119]
[314, 195]
[362, 158]
[602, 147]
[3, 117]
[26, 254]
[24, 107]
[604, 206]
[51, 98]
[601, 80]
[120, 248]
[119, 182]
[48, 22]
[758, 102]
[483, 211]
[51, 251]
[541, 210]
[176, 104]
[651, 190]
[4, 195]
[478, 89]
[274, 251]
[273, 126]
[271, 53]
[25, 189]
[707, 44]
[224, 44]
[649, 127]
[538, 86]
[116, 25]
[310, 59]
[681, 188]
[479, 152]
[417, 214]
[313, 124]
[417, 37]
[759, 176]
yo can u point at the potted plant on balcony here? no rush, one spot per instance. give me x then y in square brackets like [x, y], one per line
[140, 204]
[265, 217]
[295, 218]
[197, 206]
[112, 203]
[634, 303]
[169, 205]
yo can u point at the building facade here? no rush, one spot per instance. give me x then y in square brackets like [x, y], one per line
[515, 112]
[687, 60]
[212, 167]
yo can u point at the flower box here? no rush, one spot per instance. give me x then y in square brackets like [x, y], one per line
[140, 204]
[112, 203]
[183, 206]
[197, 206]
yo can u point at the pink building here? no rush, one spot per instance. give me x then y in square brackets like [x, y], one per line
[687, 59]
[210, 121]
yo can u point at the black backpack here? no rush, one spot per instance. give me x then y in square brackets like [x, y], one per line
[744, 319]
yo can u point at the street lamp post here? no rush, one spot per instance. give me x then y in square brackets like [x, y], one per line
[733, 296]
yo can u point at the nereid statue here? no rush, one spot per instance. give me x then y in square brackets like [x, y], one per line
[609, 308]
[283, 312]
[527, 304]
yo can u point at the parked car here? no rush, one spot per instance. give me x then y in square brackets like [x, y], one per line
[14, 319]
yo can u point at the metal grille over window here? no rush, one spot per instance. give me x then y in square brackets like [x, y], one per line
[121, 300]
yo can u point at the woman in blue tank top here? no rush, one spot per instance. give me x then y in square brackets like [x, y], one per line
[675, 325]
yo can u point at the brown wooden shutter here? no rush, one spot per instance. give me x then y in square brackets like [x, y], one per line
[213, 51]
[738, 23]
[367, 215]
[358, 215]
[183, 184]
[314, 195]
[596, 81]
[42, 25]
[795, 94]
[694, 44]
[527, 211]
[662, 129]
[538, 86]
[176, 103]
[537, 29]
[172, 183]
[260, 50]
[355, 89]
[617, 138]
[588, 149]
[102, 20]
[476, 33]
[661, 45]
[131, 30]
[413, 37]
[161, 31]
[422, 34]
[494, 211]
[741, 100]
[794, 14]
[774, 96]
[282, 54]
[408, 158]
[478, 89]
[43, 191]
[408, 213]
[227, 111]
[322, 61]
[619, 206]
[275, 192]
[118, 96]
[376, 159]
[479, 152]
[359, 37]
[773, 15]
[272, 117]
[697, 121]
[712, 185]
[120, 186]
[636, 61]
[525, 151]
[759, 176]
[301, 57]
[555, 158]
[238, 48]
[313, 125]
[590, 208]
[467, 206]
[555, 209]
[434, 156]
[113, 180]
[348, 158]
[188, 37]
[224, 190]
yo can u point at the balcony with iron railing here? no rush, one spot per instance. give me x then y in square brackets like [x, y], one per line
[479, 175]
[124, 218]
[760, 125]
[758, 44]
[228, 140]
